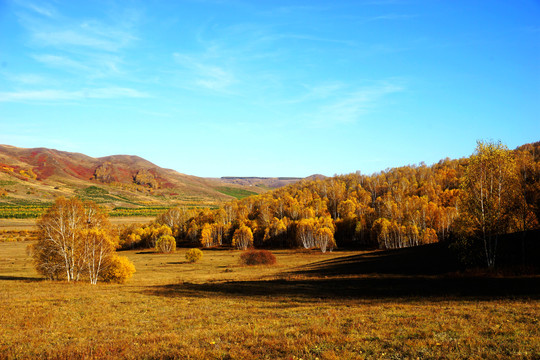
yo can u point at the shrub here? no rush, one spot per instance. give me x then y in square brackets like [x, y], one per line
[166, 244]
[257, 257]
[120, 269]
[193, 255]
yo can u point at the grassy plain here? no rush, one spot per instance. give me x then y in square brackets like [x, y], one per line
[304, 307]
[238, 193]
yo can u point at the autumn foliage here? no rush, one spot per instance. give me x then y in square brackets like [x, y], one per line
[395, 208]
[119, 270]
[194, 255]
[75, 242]
[166, 244]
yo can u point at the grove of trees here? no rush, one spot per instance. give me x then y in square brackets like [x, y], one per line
[493, 192]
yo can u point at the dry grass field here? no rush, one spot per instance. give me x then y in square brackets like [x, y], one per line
[304, 307]
[30, 224]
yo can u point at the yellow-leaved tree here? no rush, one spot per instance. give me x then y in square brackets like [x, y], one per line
[242, 238]
[490, 190]
[166, 244]
[206, 236]
[75, 242]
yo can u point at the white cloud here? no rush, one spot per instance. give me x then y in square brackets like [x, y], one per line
[61, 62]
[206, 75]
[83, 37]
[349, 107]
[52, 95]
[53, 29]
[393, 16]
[86, 49]
[26, 79]
[43, 8]
[318, 92]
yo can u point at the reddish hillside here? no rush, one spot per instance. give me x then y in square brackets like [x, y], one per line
[41, 174]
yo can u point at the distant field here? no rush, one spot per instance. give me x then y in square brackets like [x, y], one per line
[17, 224]
[236, 192]
[30, 224]
[35, 211]
[22, 212]
[300, 308]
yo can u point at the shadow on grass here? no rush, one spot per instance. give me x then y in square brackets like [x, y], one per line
[363, 288]
[423, 271]
[421, 260]
[20, 278]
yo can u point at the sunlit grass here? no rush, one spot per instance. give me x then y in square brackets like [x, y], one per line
[238, 193]
[175, 309]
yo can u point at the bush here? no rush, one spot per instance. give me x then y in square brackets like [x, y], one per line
[166, 244]
[193, 255]
[120, 269]
[257, 257]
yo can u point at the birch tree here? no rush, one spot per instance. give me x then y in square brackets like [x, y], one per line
[489, 182]
[242, 238]
[74, 242]
[59, 246]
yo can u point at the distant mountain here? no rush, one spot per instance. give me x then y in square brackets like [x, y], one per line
[39, 175]
[267, 182]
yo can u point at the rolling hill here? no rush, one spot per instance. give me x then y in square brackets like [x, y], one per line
[266, 182]
[38, 175]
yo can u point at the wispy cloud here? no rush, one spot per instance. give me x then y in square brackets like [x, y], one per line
[205, 74]
[25, 79]
[43, 8]
[294, 10]
[61, 62]
[90, 48]
[311, 38]
[393, 16]
[85, 49]
[85, 35]
[52, 95]
[317, 92]
[48, 27]
[351, 105]
[94, 66]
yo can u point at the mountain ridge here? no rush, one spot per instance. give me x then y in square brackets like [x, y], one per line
[42, 174]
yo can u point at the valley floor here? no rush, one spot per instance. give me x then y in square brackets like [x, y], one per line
[299, 308]
[30, 224]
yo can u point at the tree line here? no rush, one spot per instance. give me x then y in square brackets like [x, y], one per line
[493, 192]
[469, 201]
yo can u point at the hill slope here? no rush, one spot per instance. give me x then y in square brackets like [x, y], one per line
[38, 175]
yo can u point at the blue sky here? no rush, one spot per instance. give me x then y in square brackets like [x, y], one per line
[270, 88]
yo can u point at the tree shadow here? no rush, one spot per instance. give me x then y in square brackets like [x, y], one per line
[371, 287]
[419, 272]
[20, 278]
[433, 259]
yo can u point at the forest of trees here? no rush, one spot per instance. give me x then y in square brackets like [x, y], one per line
[493, 192]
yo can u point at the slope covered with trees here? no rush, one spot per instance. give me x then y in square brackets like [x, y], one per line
[395, 208]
